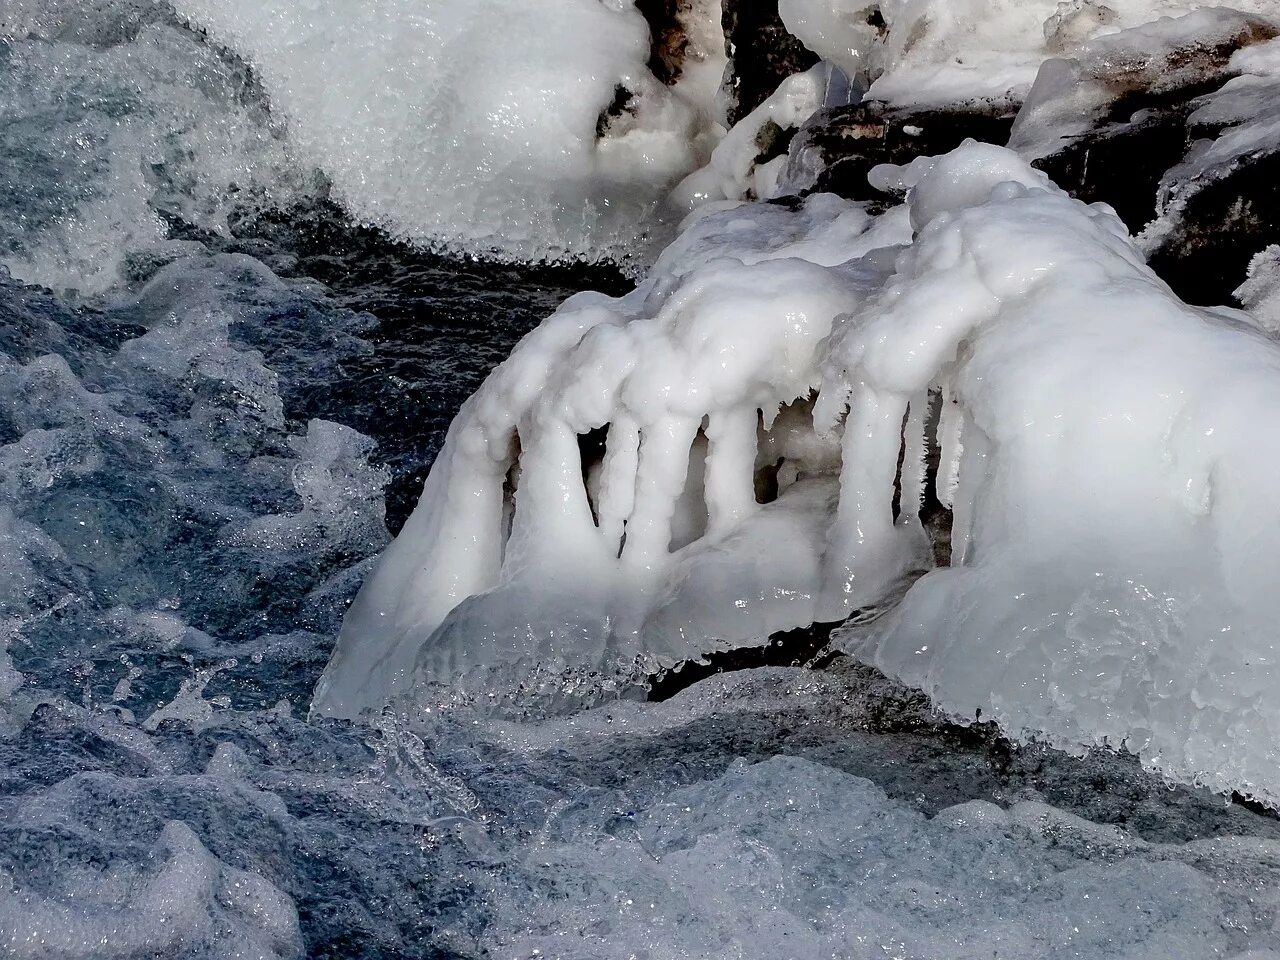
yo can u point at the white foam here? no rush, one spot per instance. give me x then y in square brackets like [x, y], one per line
[188, 903]
[117, 122]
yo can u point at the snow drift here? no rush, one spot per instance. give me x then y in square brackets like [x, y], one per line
[738, 447]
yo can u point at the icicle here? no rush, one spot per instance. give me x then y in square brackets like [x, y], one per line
[951, 447]
[914, 468]
[864, 528]
[730, 476]
[660, 477]
[964, 497]
[553, 520]
[618, 480]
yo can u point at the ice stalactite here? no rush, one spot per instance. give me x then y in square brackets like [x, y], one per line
[665, 546]
[764, 400]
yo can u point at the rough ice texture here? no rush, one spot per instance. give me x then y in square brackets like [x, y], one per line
[931, 53]
[558, 139]
[1111, 572]
[658, 533]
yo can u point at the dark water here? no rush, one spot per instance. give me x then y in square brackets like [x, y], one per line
[201, 450]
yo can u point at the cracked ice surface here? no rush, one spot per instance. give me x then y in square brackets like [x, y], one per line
[1111, 577]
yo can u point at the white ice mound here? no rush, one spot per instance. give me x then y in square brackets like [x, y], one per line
[598, 501]
[1113, 575]
[1106, 448]
[475, 122]
[935, 53]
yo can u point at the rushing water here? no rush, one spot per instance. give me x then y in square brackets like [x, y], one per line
[207, 432]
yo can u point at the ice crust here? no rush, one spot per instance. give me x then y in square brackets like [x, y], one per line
[1110, 579]
[937, 53]
[429, 128]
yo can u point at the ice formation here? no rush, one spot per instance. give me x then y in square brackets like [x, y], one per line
[689, 396]
[931, 53]
[556, 139]
[1110, 577]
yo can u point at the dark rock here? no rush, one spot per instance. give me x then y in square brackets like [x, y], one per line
[668, 37]
[1204, 252]
[834, 152]
[761, 54]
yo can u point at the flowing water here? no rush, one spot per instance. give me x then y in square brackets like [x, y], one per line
[218, 398]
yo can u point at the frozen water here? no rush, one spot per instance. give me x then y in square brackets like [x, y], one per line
[1110, 574]
[429, 128]
[937, 53]
[701, 379]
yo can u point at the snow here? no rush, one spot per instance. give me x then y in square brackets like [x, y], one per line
[431, 130]
[1110, 566]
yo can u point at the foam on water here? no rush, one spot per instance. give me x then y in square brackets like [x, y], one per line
[118, 123]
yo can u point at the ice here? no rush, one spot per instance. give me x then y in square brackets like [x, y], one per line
[1260, 293]
[711, 361]
[1109, 578]
[430, 128]
[1076, 95]
[939, 53]
[1244, 121]
[734, 172]
[1109, 567]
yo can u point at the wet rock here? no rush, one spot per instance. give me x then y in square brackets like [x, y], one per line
[834, 152]
[762, 53]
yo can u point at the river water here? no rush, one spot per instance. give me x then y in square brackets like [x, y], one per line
[218, 399]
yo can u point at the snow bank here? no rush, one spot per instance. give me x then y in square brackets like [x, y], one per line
[1111, 578]
[933, 53]
[528, 130]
